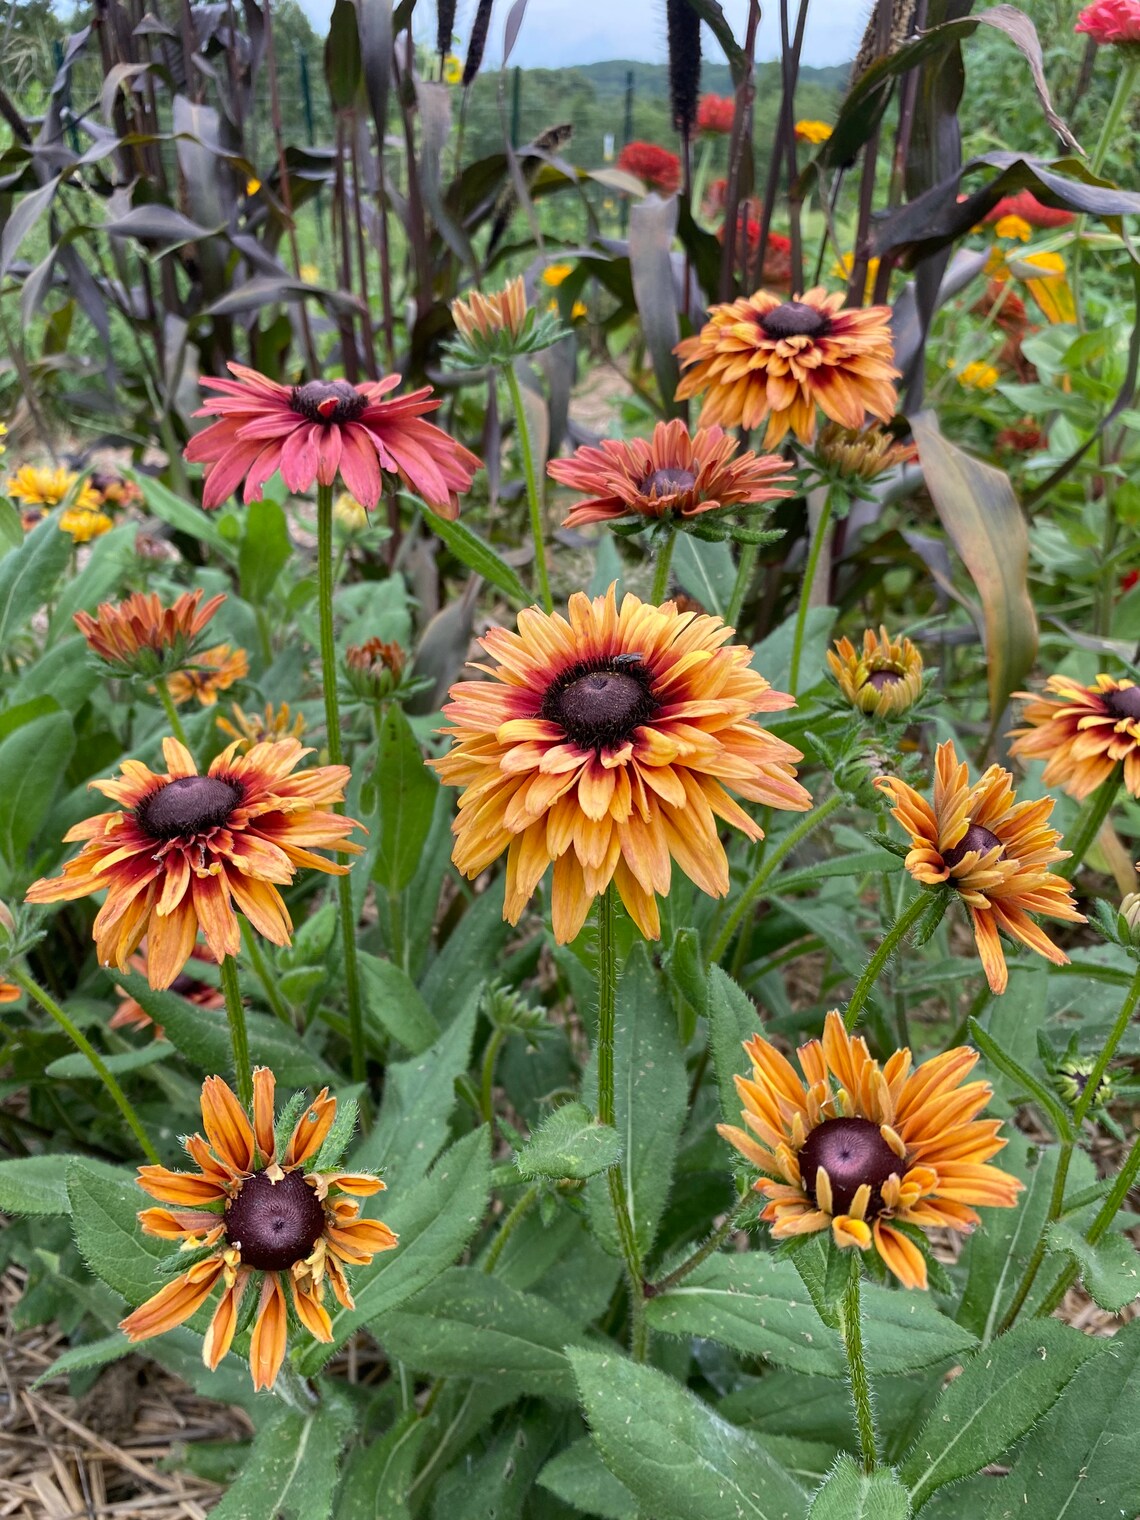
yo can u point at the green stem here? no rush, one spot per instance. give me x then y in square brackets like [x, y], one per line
[83, 1044]
[509, 1225]
[607, 1014]
[332, 725]
[664, 565]
[1122, 1185]
[789, 842]
[851, 1325]
[487, 1085]
[261, 970]
[239, 1037]
[1108, 132]
[891, 941]
[1061, 1177]
[748, 554]
[818, 539]
[171, 711]
[703, 1252]
[533, 500]
[1089, 821]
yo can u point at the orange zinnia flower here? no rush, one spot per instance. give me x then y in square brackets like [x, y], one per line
[213, 671]
[187, 848]
[671, 474]
[313, 431]
[252, 1213]
[141, 636]
[994, 851]
[762, 357]
[884, 680]
[604, 744]
[851, 1147]
[1082, 732]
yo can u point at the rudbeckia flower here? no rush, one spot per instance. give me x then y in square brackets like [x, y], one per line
[252, 1217]
[884, 680]
[857, 1149]
[139, 636]
[605, 744]
[187, 848]
[34, 486]
[266, 727]
[214, 670]
[84, 524]
[1082, 733]
[993, 850]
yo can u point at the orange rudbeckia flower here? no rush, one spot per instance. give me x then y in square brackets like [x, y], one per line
[1082, 733]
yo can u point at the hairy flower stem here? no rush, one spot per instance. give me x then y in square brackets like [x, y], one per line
[818, 539]
[752, 891]
[1122, 1185]
[171, 711]
[704, 1251]
[84, 1045]
[1061, 1176]
[332, 725]
[748, 553]
[1109, 133]
[239, 1036]
[509, 1225]
[891, 941]
[607, 1013]
[664, 565]
[1089, 821]
[851, 1328]
[487, 1083]
[533, 500]
[262, 971]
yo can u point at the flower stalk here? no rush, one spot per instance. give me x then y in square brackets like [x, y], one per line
[893, 938]
[239, 1035]
[815, 549]
[534, 501]
[851, 1329]
[663, 566]
[171, 711]
[1089, 823]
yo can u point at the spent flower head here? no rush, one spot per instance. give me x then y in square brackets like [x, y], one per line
[856, 457]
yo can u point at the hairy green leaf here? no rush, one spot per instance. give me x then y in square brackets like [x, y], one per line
[851, 1494]
[569, 1143]
[1110, 1270]
[407, 791]
[578, 1476]
[393, 1001]
[291, 1469]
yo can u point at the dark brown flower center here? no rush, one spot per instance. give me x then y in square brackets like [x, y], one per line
[852, 1152]
[328, 401]
[274, 1224]
[975, 838]
[600, 703]
[881, 679]
[795, 319]
[188, 805]
[1123, 704]
[669, 481]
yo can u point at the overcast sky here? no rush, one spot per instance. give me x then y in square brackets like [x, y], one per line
[564, 32]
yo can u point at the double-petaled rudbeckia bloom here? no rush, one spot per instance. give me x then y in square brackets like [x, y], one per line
[187, 849]
[605, 744]
[993, 850]
[1082, 733]
[325, 427]
[139, 636]
[884, 680]
[246, 1211]
[671, 474]
[762, 357]
[857, 1148]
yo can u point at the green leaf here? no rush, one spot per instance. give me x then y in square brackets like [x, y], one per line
[570, 1143]
[733, 1018]
[291, 1468]
[772, 657]
[477, 555]
[182, 515]
[38, 1184]
[1080, 1462]
[265, 550]
[100, 1353]
[705, 571]
[650, 1101]
[671, 1451]
[28, 573]
[1110, 1270]
[1001, 1392]
[497, 1483]
[407, 790]
[851, 1494]
[756, 1303]
[434, 1220]
[32, 762]
[202, 1035]
[471, 954]
[392, 1000]
[77, 1065]
[378, 1476]
[652, 228]
[470, 1324]
[1024, 1081]
[343, 64]
[982, 517]
[107, 1232]
[579, 1477]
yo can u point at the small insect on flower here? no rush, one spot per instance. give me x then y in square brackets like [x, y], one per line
[256, 1217]
[1082, 733]
[857, 1149]
[885, 680]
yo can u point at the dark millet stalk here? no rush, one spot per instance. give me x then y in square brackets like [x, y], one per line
[479, 28]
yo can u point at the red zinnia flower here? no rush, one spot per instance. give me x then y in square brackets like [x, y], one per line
[313, 431]
[1129, 579]
[1111, 22]
[715, 114]
[1026, 205]
[659, 168]
[1023, 437]
[777, 269]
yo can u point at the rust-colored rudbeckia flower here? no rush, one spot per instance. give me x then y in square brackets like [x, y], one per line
[861, 454]
[245, 1212]
[884, 680]
[130, 1014]
[763, 357]
[265, 727]
[672, 473]
[604, 744]
[856, 1148]
[1082, 733]
[994, 851]
[214, 670]
[187, 848]
[314, 431]
[484, 316]
[141, 636]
